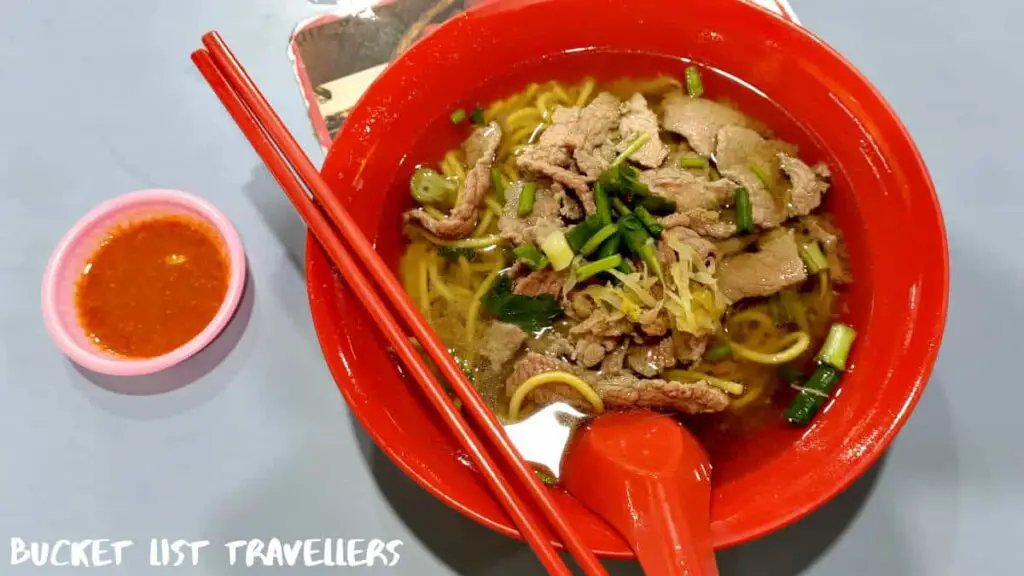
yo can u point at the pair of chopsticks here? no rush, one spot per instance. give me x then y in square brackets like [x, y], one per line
[340, 236]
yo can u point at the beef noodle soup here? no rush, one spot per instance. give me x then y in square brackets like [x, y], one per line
[632, 243]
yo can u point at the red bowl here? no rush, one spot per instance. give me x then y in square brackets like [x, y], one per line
[883, 197]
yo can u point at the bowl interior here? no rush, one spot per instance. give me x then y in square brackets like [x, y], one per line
[801, 89]
[81, 242]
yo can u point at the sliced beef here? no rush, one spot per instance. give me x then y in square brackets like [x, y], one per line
[542, 221]
[560, 134]
[737, 151]
[560, 347]
[579, 140]
[637, 118]
[688, 190]
[808, 184]
[477, 145]
[501, 342]
[601, 325]
[568, 207]
[462, 220]
[704, 248]
[774, 266]
[619, 390]
[579, 306]
[594, 148]
[688, 348]
[552, 344]
[532, 364]
[739, 146]
[831, 241]
[615, 361]
[624, 390]
[652, 359]
[546, 281]
[658, 324]
[699, 120]
[594, 161]
[589, 352]
[704, 222]
[584, 134]
[597, 335]
[766, 211]
[555, 163]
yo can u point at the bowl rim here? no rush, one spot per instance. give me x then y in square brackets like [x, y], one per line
[94, 359]
[931, 328]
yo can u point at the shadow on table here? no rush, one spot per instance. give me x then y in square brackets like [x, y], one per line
[795, 548]
[175, 377]
[470, 549]
[279, 214]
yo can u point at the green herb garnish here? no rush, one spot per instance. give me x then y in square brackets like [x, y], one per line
[477, 116]
[531, 313]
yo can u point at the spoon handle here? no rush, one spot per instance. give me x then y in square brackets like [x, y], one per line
[669, 531]
[651, 481]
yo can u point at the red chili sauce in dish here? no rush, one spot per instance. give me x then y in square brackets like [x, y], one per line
[152, 286]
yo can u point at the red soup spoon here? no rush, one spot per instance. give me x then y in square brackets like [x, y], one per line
[650, 479]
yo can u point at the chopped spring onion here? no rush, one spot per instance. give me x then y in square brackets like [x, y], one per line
[476, 242]
[744, 211]
[639, 242]
[719, 352]
[761, 174]
[657, 205]
[557, 250]
[626, 267]
[603, 203]
[429, 187]
[532, 256]
[694, 85]
[831, 363]
[578, 235]
[813, 257]
[620, 206]
[633, 147]
[526, 199]
[458, 116]
[790, 374]
[649, 221]
[812, 395]
[597, 266]
[498, 184]
[693, 162]
[477, 116]
[597, 239]
[610, 247]
[837, 346]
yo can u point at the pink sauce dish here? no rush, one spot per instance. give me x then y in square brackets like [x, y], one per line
[214, 241]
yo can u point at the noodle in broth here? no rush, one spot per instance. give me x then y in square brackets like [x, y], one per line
[447, 279]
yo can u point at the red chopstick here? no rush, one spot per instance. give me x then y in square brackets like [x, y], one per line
[282, 154]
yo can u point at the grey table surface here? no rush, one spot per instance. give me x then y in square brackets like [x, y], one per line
[99, 97]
